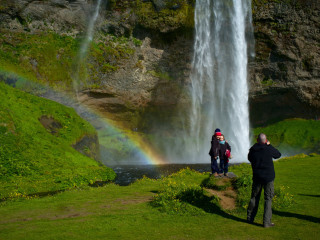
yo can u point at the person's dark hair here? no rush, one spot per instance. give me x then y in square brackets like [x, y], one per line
[262, 138]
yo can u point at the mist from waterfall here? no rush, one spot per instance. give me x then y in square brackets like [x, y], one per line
[219, 88]
[84, 47]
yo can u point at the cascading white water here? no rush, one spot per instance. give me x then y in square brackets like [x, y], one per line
[219, 88]
[85, 45]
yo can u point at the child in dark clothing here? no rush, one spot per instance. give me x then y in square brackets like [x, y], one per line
[214, 152]
[224, 161]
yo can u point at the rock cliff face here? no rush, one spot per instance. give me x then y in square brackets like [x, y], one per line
[63, 16]
[285, 75]
[150, 83]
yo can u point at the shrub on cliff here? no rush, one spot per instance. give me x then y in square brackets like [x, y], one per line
[160, 15]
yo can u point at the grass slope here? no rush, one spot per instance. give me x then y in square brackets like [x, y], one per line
[114, 212]
[293, 136]
[32, 159]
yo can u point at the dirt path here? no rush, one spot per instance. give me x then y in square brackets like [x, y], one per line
[228, 196]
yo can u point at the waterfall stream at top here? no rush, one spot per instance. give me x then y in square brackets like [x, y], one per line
[219, 88]
[77, 77]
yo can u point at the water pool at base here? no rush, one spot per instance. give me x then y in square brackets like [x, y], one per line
[127, 174]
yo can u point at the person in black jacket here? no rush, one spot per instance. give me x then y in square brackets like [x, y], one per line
[224, 161]
[260, 156]
[214, 152]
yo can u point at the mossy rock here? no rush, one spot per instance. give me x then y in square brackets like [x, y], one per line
[45, 58]
[163, 16]
[297, 4]
[51, 59]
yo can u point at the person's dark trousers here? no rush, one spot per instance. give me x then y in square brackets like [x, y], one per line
[223, 166]
[214, 166]
[254, 202]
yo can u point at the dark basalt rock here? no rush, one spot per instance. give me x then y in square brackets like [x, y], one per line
[159, 4]
[50, 124]
[89, 146]
[284, 76]
[277, 104]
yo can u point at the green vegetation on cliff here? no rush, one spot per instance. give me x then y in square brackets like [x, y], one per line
[106, 55]
[167, 18]
[43, 57]
[36, 153]
[293, 135]
[293, 3]
[51, 59]
[163, 16]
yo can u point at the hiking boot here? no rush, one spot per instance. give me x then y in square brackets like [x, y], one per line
[220, 174]
[226, 174]
[268, 225]
[215, 174]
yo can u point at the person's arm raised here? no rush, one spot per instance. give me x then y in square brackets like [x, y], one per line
[275, 152]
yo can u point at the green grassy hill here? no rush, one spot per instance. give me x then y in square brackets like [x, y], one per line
[293, 136]
[36, 159]
[115, 212]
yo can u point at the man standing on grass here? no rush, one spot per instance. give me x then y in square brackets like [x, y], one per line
[260, 156]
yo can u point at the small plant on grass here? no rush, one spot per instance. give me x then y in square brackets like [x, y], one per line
[243, 186]
[144, 180]
[282, 198]
[181, 193]
[173, 199]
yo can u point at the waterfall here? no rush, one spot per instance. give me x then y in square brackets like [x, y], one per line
[219, 87]
[84, 47]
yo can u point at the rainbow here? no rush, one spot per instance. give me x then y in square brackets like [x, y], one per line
[146, 153]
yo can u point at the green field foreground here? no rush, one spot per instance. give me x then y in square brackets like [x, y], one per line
[115, 212]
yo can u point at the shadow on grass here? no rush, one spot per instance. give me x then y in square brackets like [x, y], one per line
[296, 215]
[209, 205]
[155, 191]
[308, 195]
[37, 195]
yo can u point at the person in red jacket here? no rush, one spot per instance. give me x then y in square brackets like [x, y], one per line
[214, 152]
[260, 156]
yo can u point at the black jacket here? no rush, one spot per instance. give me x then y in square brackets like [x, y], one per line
[260, 156]
[222, 151]
[215, 146]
